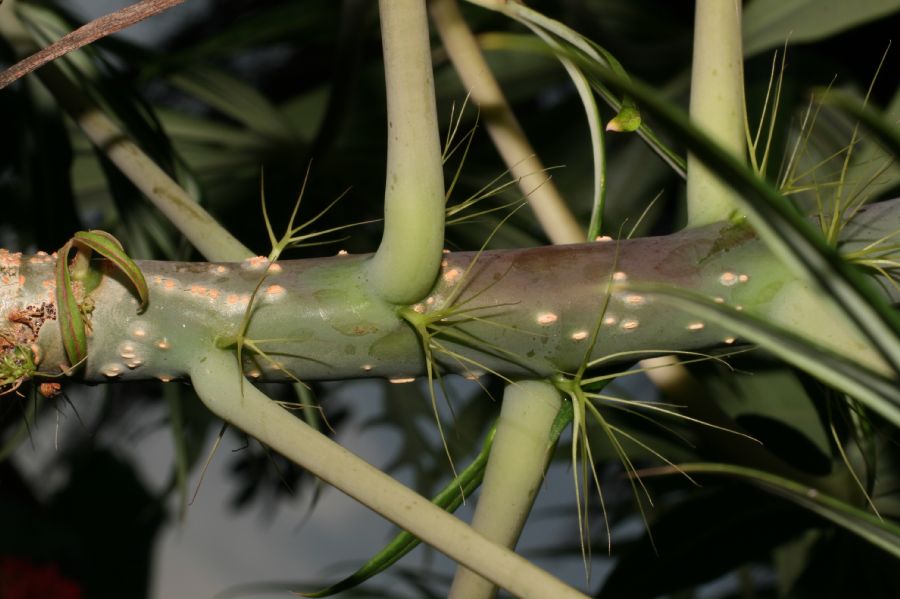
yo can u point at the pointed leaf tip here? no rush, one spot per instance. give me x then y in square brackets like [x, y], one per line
[71, 323]
[628, 120]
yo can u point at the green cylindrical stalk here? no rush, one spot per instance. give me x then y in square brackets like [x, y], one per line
[519, 456]
[717, 104]
[214, 375]
[406, 263]
[534, 309]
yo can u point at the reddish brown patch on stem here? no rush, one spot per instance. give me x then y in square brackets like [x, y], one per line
[27, 321]
[50, 390]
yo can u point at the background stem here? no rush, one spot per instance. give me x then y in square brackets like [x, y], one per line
[510, 140]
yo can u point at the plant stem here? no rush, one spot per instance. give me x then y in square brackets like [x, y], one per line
[319, 319]
[521, 448]
[717, 96]
[514, 474]
[214, 378]
[510, 140]
[406, 263]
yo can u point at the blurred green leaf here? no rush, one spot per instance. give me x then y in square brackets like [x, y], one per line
[235, 99]
[772, 405]
[699, 539]
[841, 371]
[881, 533]
[771, 23]
[878, 123]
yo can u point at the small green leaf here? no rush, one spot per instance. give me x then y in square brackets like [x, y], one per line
[71, 323]
[69, 311]
[561, 422]
[628, 120]
[109, 247]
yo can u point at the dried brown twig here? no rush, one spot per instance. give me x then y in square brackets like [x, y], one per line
[91, 32]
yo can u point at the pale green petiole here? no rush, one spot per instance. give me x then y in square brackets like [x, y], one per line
[256, 414]
[717, 100]
[515, 471]
[406, 263]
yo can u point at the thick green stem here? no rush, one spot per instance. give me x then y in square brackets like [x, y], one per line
[406, 263]
[198, 226]
[215, 375]
[533, 309]
[515, 471]
[717, 100]
[520, 158]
